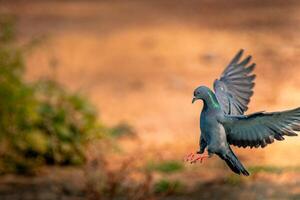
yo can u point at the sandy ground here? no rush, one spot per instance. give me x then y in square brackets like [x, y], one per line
[139, 62]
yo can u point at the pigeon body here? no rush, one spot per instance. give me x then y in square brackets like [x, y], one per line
[222, 120]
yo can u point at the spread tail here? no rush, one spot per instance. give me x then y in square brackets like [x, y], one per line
[234, 164]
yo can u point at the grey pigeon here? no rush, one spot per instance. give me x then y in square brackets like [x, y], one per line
[222, 120]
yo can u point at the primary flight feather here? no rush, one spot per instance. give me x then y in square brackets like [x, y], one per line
[222, 120]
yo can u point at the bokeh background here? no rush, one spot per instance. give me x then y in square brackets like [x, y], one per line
[96, 97]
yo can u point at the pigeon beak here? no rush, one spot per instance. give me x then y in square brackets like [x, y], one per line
[194, 99]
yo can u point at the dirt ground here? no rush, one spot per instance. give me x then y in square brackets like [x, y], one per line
[139, 62]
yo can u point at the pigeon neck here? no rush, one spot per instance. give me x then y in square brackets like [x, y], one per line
[211, 101]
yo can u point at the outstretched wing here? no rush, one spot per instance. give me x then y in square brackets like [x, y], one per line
[234, 88]
[260, 129]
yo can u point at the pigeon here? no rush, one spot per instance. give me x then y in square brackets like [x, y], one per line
[223, 122]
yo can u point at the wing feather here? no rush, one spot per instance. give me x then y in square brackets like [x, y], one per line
[260, 129]
[234, 88]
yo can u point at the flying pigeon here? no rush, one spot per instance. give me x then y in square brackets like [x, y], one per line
[223, 123]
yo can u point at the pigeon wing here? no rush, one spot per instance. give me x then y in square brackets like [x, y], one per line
[260, 129]
[234, 88]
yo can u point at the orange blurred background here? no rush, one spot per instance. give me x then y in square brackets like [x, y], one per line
[139, 62]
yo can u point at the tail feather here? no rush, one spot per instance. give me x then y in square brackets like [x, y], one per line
[234, 164]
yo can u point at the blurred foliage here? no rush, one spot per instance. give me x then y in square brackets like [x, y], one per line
[67, 120]
[122, 129]
[125, 181]
[41, 122]
[237, 180]
[234, 180]
[169, 166]
[168, 187]
[273, 169]
[267, 169]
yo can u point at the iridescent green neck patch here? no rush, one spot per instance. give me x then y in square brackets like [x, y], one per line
[213, 100]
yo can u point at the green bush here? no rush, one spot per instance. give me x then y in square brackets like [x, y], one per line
[273, 169]
[41, 122]
[168, 187]
[67, 120]
[234, 180]
[168, 166]
[121, 130]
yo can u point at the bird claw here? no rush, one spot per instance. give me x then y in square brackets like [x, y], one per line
[188, 157]
[193, 158]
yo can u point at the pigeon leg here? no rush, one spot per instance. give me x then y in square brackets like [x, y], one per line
[199, 158]
[188, 157]
[193, 158]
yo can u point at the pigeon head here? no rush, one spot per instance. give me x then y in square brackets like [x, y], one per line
[201, 93]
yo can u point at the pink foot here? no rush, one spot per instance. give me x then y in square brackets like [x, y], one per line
[193, 158]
